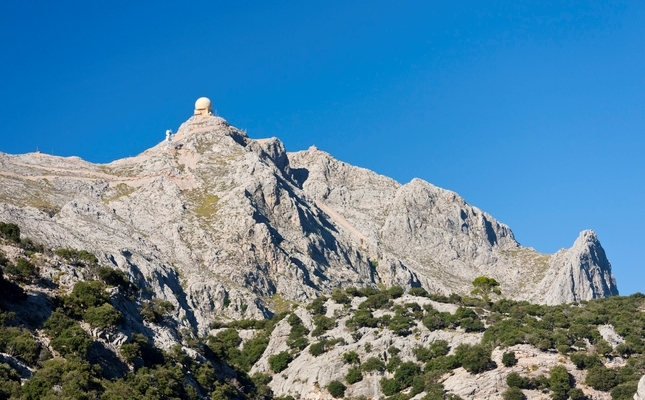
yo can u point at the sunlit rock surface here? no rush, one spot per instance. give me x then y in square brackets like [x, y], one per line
[220, 224]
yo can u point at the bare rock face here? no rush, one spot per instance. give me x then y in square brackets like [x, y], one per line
[640, 393]
[582, 271]
[425, 234]
[222, 225]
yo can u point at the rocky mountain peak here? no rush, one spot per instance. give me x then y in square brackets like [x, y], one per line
[226, 226]
[586, 270]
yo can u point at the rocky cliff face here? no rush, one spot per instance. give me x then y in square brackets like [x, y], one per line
[222, 225]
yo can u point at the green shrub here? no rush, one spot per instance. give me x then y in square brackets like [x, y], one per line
[253, 350]
[373, 364]
[583, 360]
[464, 312]
[115, 277]
[223, 390]
[354, 375]
[67, 336]
[624, 391]
[22, 270]
[73, 340]
[318, 348]
[505, 331]
[395, 292]
[351, 357]
[366, 291]
[508, 359]
[375, 302]
[336, 389]
[393, 363]
[87, 294]
[415, 310]
[278, 362]
[484, 286]
[30, 247]
[401, 323]
[156, 310]
[439, 348]
[513, 393]
[578, 394]
[297, 336]
[603, 348]
[225, 343]
[474, 359]
[294, 320]
[472, 325]
[436, 349]
[602, 378]
[418, 291]
[340, 297]
[205, 376]
[323, 324]
[540, 382]
[442, 363]
[434, 320]
[64, 378]
[516, 380]
[102, 316]
[559, 383]
[435, 391]
[249, 324]
[405, 374]
[299, 343]
[130, 351]
[10, 231]
[78, 258]
[389, 387]
[624, 350]
[563, 349]
[151, 355]
[362, 318]
[19, 342]
[9, 382]
[423, 354]
[317, 306]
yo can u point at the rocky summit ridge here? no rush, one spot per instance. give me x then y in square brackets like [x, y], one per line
[226, 226]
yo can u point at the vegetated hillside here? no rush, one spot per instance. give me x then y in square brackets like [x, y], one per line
[220, 224]
[73, 328]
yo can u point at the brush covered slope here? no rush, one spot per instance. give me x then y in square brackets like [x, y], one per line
[219, 224]
[72, 327]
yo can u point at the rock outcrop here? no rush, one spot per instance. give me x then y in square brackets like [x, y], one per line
[428, 235]
[640, 394]
[220, 224]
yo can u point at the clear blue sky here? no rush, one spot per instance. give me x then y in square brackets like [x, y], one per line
[534, 113]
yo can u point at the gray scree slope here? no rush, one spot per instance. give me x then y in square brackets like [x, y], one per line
[218, 223]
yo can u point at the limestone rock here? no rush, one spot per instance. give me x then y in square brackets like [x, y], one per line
[225, 226]
[432, 235]
[640, 393]
[610, 336]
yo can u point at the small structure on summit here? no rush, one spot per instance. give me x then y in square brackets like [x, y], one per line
[169, 137]
[203, 106]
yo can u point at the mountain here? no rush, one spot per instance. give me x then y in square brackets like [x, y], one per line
[224, 226]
